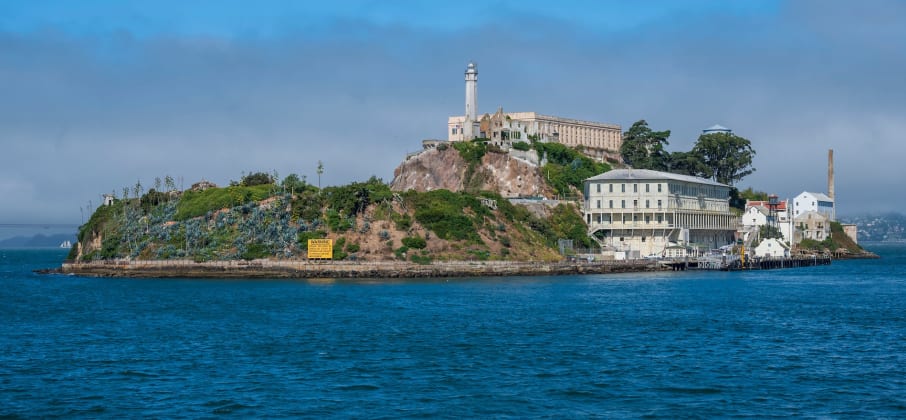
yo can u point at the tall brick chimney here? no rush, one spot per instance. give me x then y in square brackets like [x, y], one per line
[830, 173]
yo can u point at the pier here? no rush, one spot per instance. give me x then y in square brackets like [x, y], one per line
[734, 263]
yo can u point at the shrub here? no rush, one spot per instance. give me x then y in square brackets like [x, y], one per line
[521, 145]
[257, 178]
[352, 248]
[416, 242]
[421, 259]
[400, 252]
[255, 251]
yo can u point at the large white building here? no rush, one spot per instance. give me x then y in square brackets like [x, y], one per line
[504, 128]
[644, 212]
[812, 201]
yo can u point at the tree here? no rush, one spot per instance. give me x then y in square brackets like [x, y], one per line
[320, 171]
[727, 155]
[687, 163]
[643, 148]
[256, 178]
[293, 183]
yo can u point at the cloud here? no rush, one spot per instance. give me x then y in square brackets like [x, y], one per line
[84, 114]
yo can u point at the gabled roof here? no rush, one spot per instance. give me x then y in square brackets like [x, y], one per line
[781, 204]
[818, 196]
[650, 175]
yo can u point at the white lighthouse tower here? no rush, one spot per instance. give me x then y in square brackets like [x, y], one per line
[471, 101]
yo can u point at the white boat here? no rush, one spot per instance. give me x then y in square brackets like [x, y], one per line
[66, 244]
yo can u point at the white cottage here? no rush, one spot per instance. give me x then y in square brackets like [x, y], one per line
[772, 248]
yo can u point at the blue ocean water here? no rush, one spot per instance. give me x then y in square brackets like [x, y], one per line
[819, 341]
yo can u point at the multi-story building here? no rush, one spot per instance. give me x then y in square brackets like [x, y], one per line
[503, 128]
[644, 212]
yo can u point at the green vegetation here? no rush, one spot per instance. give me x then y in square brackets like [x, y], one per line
[276, 221]
[198, 203]
[415, 242]
[445, 213]
[257, 178]
[724, 157]
[521, 145]
[643, 148]
[567, 169]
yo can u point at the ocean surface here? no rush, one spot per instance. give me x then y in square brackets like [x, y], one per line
[825, 341]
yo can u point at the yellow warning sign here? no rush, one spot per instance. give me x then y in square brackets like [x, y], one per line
[320, 248]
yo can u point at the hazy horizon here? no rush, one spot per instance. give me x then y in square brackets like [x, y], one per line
[100, 94]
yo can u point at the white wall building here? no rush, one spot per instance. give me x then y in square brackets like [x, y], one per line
[812, 201]
[772, 248]
[650, 212]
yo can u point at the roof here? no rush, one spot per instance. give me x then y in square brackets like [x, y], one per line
[819, 196]
[648, 174]
[717, 127]
[781, 204]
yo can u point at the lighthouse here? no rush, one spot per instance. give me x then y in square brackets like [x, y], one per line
[471, 100]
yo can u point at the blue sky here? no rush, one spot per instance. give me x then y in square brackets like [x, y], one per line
[100, 94]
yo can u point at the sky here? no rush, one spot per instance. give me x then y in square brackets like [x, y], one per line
[98, 95]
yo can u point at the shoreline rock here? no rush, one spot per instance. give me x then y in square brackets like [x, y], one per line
[339, 269]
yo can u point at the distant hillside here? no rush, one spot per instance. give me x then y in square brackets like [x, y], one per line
[37, 241]
[890, 227]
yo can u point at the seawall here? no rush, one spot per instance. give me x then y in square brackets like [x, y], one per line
[343, 269]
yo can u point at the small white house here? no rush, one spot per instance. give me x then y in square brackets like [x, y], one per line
[108, 199]
[772, 248]
[811, 201]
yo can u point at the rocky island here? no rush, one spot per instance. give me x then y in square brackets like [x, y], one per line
[446, 213]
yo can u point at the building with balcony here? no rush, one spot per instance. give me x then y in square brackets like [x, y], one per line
[645, 212]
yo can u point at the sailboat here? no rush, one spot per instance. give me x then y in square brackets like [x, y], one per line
[66, 244]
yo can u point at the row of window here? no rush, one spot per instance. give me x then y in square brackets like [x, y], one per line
[635, 187]
[635, 204]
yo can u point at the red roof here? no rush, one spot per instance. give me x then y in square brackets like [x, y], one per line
[781, 205]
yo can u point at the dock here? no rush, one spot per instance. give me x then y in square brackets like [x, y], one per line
[734, 263]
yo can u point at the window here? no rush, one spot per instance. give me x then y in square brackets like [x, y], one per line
[647, 187]
[635, 188]
[611, 187]
[659, 204]
[611, 203]
[635, 203]
[599, 204]
[647, 205]
[599, 187]
[658, 187]
[623, 204]
[622, 187]
[621, 239]
[454, 131]
[643, 239]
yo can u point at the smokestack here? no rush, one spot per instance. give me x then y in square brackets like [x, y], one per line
[830, 173]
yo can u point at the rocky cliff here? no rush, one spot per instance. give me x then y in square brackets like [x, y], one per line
[446, 169]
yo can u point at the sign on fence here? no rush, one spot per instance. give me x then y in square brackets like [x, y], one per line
[320, 248]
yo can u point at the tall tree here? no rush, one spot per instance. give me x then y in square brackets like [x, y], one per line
[643, 148]
[687, 163]
[320, 171]
[727, 155]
